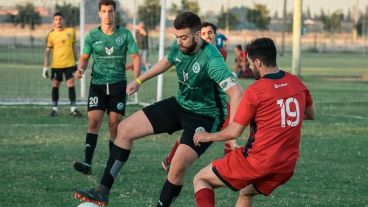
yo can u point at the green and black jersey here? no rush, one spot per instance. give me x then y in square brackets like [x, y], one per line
[203, 77]
[109, 54]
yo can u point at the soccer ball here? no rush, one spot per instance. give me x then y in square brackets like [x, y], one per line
[87, 204]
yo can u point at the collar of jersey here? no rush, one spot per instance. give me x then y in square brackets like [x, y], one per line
[277, 75]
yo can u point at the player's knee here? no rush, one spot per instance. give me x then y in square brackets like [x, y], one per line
[176, 174]
[248, 191]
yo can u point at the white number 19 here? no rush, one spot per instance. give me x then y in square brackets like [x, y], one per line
[285, 110]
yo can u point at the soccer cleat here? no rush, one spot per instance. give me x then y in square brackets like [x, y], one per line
[82, 167]
[98, 195]
[165, 164]
[76, 113]
[54, 113]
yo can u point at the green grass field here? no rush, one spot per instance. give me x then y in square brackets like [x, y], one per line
[37, 151]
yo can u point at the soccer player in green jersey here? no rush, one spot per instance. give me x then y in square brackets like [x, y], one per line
[109, 45]
[199, 105]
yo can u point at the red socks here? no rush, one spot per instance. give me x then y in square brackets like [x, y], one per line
[205, 197]
[173, 150]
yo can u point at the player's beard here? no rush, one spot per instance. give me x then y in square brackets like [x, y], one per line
[256, 72]
[188, 50]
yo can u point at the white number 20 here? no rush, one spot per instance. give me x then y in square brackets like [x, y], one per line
[286, 112]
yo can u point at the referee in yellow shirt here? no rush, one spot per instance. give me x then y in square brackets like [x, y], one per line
[60, 43]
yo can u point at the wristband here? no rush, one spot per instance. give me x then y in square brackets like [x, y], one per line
[138, 81]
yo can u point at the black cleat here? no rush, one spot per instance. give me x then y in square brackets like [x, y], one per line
[76, 113]
[54, 113]
[99, 195]
[82, 167]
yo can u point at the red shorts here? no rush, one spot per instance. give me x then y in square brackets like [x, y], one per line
[235, 171]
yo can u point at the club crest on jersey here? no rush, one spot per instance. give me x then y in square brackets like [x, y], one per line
[119, 41]
[196, 67]
[200, 129]
[120, 106]
[109, 51]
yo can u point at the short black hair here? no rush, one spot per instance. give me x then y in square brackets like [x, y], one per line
[263, 49]
[208, 24]
[58, 14]
[188, 20]
[106, 3]
[239, 47]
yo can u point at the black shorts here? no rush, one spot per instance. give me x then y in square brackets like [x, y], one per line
[108, 97]
[167, 116]
[57, 73]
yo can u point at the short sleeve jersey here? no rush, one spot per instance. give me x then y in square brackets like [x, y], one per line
[276, 104]
[61, 44]
[203, 77]
[220, 40]
[109, 54]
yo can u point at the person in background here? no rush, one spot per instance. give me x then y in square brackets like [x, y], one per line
[142, 37]
[109, 45]
[221, 43]
[60, 43]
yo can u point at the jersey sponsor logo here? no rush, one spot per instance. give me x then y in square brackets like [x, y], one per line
[68, 35]
[196, 67]
[97, 42]
[120, 106]
[178, 60]
[119, 41]
[280, 85]
[228, 83]
[199, 129]
[109, 51]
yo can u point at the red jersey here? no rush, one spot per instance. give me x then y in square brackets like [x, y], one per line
[274, 106]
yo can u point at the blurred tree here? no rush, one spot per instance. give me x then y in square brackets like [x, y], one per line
[348, 17]
[332, 23]
[259, 16]
[222, 18]
[362, 24]
[149, 13]
[186, 5]
[70, 14]
[27, 15]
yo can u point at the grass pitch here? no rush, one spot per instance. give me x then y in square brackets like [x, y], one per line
[37, 151]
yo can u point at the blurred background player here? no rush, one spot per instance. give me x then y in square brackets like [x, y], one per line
[221, 43]
[109, 45]
[200, 104]
[208, 33]
[141, 36]
[275, 107]
[60, 42]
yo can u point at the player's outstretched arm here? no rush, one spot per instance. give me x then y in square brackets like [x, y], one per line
[136, 59]
[160, 67]
[233, 131]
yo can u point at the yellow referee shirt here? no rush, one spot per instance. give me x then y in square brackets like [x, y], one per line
[61, 44]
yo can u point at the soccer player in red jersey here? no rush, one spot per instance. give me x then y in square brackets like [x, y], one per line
[208, 33]
[275, 107]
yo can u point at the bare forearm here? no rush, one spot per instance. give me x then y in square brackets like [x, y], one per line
[160, 67]
[137, 66]
[46, 57]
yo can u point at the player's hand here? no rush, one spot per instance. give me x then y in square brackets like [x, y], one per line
[78, 74]
[132, 87]
[200, 137]
[45, 73]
